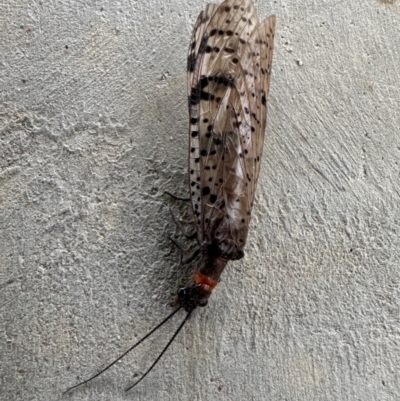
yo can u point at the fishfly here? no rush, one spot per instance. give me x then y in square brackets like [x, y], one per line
[229, 70]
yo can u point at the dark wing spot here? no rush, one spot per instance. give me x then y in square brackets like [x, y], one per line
[206, 191]
[213, 198]
[191, 62]
[263, 100]
[194, 97]
[203, 82]
[206, 95]
[203, 44]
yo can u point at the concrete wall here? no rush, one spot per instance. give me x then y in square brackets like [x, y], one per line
[93, 129]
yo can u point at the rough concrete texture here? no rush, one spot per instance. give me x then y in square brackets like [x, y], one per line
[93, 126]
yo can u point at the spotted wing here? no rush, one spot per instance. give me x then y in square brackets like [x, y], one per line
[251, 113]
[197, 35]
[229, 68]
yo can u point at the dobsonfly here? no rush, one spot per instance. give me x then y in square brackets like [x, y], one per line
[229, 70]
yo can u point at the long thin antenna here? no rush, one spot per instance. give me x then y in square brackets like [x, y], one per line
[162, 352]
[127, 352]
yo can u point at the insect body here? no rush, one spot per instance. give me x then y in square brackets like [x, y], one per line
[229, 68]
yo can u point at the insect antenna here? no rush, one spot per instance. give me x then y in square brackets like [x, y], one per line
[130, 349]
[162, 352]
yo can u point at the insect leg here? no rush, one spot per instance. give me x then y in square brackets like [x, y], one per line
[191, 257]
[179, 225]
[186, 256]
[177, 197]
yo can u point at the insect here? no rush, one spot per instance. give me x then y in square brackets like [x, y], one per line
[229, 69]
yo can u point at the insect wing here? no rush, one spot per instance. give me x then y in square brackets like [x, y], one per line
[197, 35]
[257, 64]
[228, 74]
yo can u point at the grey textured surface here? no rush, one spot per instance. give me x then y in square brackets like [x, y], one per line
[93, 126]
